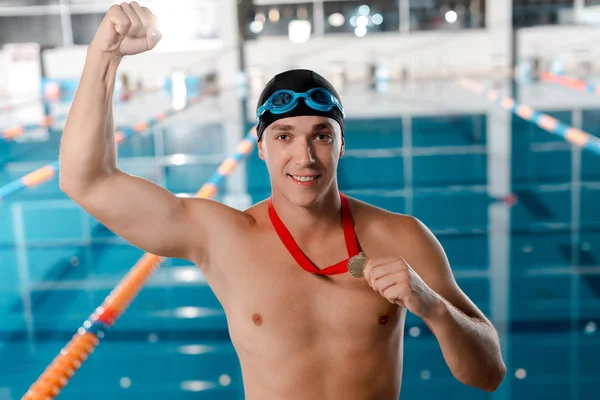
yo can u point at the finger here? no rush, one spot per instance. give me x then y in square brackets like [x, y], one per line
[384, 268]
[367, 271]
[153, 34]
[119, 19]
[367, 274]
[145, 17]
[149, 15]
[372, 264]
[386, 281]
[136, 27]
[395, 294]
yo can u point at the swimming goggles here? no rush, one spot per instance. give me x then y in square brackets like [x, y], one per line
[283, 101]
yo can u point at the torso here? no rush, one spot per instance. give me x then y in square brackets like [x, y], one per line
[299, 335]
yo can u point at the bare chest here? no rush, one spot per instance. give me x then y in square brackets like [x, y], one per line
[271, 300]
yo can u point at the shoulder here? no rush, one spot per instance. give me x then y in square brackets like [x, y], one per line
[216, 226]
[258, 213]
[378, 221]
[401, 234]
[407, 237]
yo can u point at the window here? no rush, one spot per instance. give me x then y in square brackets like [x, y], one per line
[446, 14]
[45, 30]
[24, 3]
[85, 27]
[361, 17]
[278, 20]
[542, 12]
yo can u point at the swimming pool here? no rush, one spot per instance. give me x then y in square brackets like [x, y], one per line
[514, 207]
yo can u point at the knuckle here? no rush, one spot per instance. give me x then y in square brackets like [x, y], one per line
[136, 26]
[145, 12]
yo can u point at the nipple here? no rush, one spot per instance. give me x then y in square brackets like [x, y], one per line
[383, 320]
[257, 319]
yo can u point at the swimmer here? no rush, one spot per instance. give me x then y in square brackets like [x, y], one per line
[303, 326]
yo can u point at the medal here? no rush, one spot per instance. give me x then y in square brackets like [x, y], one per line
[356, 265]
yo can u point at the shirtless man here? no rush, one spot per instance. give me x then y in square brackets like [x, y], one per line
[302, 325]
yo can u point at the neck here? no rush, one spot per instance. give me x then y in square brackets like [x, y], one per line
[321, 216]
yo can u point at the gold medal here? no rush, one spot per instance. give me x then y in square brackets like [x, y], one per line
[356, 265]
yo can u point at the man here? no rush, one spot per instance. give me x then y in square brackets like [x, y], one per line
[303, 326]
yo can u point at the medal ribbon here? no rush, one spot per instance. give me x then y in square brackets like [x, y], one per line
[291, 245]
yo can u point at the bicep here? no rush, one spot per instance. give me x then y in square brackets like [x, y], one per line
[144, 214]
[430, 262]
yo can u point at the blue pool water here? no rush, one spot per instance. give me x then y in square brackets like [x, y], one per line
[532, 266]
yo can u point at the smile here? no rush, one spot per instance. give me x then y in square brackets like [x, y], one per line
[299, 178]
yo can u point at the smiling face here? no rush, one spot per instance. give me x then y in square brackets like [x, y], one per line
[302, 155]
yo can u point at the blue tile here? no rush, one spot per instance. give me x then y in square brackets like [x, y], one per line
[452, 130]
[452, 210]
[445, 170]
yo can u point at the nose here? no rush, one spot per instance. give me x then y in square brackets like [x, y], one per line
[303, 154]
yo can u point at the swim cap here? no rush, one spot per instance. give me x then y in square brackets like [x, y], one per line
[297, 80]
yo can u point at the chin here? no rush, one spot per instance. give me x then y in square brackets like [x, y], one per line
[303, 199]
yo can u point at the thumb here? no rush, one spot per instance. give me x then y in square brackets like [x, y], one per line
[121, 29]
[367, 272]
[153, 37]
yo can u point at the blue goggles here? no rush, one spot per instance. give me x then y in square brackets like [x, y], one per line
[283, 101]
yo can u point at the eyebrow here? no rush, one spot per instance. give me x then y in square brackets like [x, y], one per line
[322, 125]
[282, 127]
[290, 128]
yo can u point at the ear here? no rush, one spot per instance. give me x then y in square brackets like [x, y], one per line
[342, 148]
[261, 153]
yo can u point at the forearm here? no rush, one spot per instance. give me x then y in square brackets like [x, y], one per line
[87, 150]
[470, 347]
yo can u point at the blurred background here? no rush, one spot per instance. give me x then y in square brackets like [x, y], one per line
[479, 117]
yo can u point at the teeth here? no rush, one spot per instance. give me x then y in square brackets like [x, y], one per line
[304, 178]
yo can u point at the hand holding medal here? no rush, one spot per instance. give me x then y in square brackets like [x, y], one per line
[395, 280]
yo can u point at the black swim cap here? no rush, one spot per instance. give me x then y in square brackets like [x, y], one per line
[298, 80]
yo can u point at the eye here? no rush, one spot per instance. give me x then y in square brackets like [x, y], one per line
[324, 137]
[283, 137]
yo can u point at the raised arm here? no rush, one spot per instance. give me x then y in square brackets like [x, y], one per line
[141, 212]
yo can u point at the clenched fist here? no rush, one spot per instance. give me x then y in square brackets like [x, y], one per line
[395, 280]
[127, 29]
